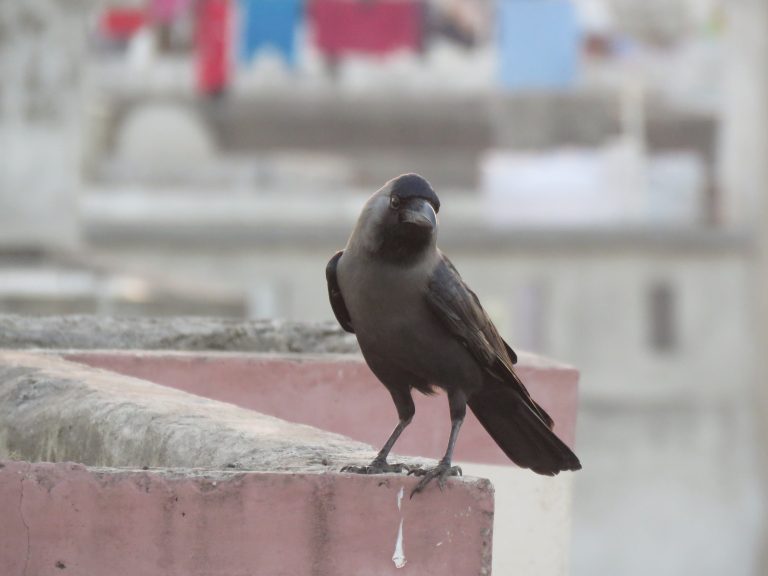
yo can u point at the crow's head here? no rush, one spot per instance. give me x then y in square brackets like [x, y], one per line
[400, 220]
[413, 186]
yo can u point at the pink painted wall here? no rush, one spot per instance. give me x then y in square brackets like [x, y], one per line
[59, 519]
[340, 394]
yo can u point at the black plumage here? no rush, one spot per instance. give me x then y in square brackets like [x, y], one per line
[334, 294]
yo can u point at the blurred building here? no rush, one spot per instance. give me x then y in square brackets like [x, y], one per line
[586, 190]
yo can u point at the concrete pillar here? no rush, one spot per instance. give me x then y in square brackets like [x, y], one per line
[742, 153]
[744, 177]
[41, 61]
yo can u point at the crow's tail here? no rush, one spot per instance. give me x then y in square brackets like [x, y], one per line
[523, 436]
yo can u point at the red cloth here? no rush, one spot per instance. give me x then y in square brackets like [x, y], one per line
[212, 45]
[121, 23]
[366, 26]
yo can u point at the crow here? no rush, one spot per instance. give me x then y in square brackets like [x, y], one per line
[419, 326]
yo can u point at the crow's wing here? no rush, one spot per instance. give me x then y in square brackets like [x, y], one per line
[334, 293]
[459, 310]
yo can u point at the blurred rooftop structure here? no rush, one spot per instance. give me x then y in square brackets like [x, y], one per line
[603, 205]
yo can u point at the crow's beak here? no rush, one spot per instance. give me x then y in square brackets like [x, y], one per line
[419, 213]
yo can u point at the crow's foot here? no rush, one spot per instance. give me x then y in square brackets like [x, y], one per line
[441, 472]
[379, 467]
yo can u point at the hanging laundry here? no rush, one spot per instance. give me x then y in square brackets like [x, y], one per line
[538, 44]
[366, 26]
[464, 22]
[265, 24]
[166, 11]
[212, 39]
[121, 23]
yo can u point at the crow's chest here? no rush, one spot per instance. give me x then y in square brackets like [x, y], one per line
[382, 295]
[393, 322]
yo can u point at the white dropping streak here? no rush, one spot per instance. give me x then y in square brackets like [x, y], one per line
[399, 556]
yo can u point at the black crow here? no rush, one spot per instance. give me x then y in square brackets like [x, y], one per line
[419, 326]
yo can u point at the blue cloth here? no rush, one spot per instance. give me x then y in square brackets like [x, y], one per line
[538, 44]
[269, 24]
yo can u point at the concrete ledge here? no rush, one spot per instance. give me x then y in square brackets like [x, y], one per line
[92, 406]
[55, 410]
[340, 394]
[96, 332]
[69, 519]
[337, 393]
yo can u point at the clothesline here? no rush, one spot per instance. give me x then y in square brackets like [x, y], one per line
[537, 42]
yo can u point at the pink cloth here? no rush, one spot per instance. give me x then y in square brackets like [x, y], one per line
[366, 26]
[166, 11]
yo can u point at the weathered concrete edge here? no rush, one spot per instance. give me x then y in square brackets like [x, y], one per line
[67, 515]
[526, 360]
[482, 487]
[80, 332]
[55, 410]
[179, 333]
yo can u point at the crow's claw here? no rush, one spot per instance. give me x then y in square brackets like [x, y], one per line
[379, 467]
[441, 472]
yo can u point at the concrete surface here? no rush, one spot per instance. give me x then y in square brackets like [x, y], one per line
[98, 332]
[532, 522]
[340, 394]
[55, 410]
[65, 518]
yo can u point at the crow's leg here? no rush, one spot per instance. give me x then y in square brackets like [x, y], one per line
[457, 402]
[379, 465]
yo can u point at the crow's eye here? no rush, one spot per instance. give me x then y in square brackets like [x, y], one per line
[394, 202]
